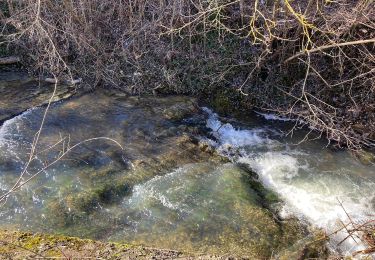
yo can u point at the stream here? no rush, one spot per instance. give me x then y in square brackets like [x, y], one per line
[186, 178]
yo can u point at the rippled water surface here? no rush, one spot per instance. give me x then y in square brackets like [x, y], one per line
[311, 179]
[167, 189]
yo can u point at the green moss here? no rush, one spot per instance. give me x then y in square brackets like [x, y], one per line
[111, 192]
[32, 242]
[309, 247]
[104, 172]
[88, 201]
[365, 157]
[267, 196]
[221, 103]
[23, 245]
[58, 214]
[85, 201]
[226, 101]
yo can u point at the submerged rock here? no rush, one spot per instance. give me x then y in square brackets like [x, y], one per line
[181, 110]
[165, 186]
[100, 174]
[365, 157]
[313, 246]
[206, 208]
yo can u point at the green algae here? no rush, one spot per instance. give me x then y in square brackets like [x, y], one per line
[365, 157]
[242, 198]
[24, 245]
[248, 226]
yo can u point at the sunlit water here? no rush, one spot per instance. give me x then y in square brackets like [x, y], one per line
[197, 205]
[311, 179]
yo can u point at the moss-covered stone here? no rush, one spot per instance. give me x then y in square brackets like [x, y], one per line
[216, 212]
[58, 214]
[221, 103]
[226, 101]
[111, 192]
[85, 201]
[252, 178]
[365, 157]
[313, 246]
[181, 110]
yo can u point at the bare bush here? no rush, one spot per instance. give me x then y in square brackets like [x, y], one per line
[312, 60]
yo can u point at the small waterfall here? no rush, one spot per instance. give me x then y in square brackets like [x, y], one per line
[310, 185]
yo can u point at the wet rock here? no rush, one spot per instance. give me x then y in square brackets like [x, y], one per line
[86, 199]
[252, 178]
[312, 247]
[206, 147]
[42, 191]
[58, 214]
[185, 139]
[111, 185]
[83, 201]
[100, 173]
[246, 167]
[172, 131]
[202, 197]
[365, 157]
[180, 111]
[227, 101]
[221, 103]
[19, 92]
[112, 192]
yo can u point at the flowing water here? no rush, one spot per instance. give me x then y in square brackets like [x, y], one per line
[168, 188]
[311, 179]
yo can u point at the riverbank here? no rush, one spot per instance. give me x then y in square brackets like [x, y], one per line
[24, 245]
[308, 60]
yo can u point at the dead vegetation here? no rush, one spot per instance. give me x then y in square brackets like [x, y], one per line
[362, 231]
[359, 232]
[311, 60]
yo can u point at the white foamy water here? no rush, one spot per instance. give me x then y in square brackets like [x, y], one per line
[228, 135]
[9, 132]
[273, 117]
[310, 182]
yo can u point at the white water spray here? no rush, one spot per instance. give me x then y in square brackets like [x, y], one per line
[309, 191]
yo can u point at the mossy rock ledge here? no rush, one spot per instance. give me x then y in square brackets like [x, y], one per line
[23, 245]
